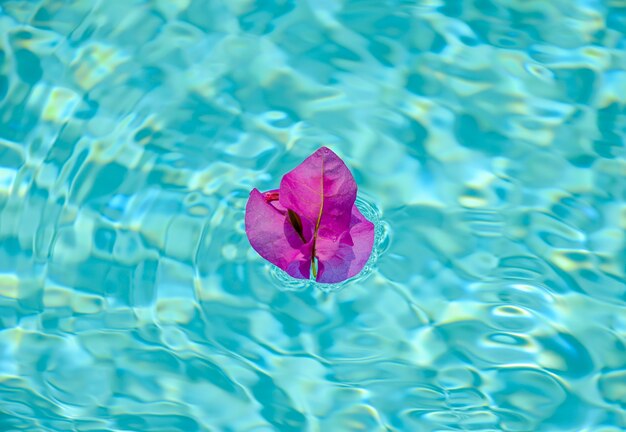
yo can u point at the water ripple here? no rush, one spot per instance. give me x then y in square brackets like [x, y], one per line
[372, 213]
[487, 139]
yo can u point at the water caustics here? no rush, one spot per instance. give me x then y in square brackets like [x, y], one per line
[486, 139]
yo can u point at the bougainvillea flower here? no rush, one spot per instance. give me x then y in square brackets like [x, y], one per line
[311, 224]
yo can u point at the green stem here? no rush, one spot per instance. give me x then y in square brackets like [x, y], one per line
[317, 224]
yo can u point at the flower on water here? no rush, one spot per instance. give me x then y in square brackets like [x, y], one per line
[311, 224]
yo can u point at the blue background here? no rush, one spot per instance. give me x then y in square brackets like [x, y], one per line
[487, 140]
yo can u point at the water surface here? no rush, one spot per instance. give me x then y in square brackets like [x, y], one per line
[487, 136]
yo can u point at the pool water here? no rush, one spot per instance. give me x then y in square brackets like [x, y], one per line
[487, 140]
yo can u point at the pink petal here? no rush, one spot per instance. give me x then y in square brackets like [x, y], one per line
[340, 259]
[318, 198]
[271, 234]
[272, 198]
[321, 185]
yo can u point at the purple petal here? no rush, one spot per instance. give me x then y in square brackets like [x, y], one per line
[271, 234]
[340, 259]
[321, 190]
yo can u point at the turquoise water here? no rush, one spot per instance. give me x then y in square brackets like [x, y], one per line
[487, 140]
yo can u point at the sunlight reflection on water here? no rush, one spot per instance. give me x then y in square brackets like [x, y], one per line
[487, 141]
